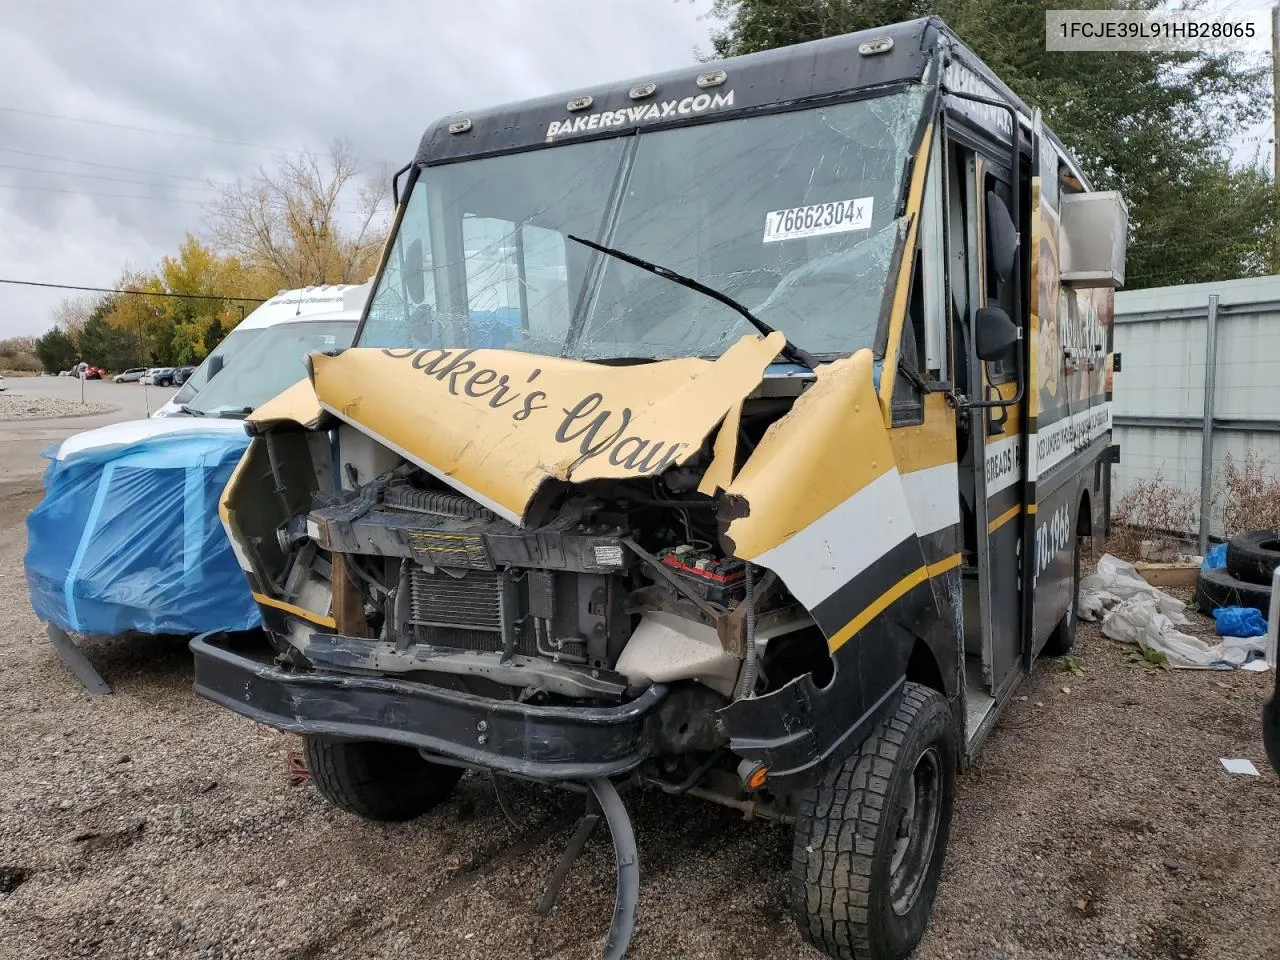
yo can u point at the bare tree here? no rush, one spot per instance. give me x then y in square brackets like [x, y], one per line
[309, 220]
[70, 315]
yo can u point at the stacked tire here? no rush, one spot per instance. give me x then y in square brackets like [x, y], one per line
[1245, 581]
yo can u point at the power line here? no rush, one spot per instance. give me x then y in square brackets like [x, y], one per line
[126, 126]
[94, 163]
[90, 193]
[136, 293]
[98, 176]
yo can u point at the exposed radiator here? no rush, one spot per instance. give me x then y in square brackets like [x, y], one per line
[472, 601]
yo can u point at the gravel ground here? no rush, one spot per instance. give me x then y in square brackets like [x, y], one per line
[19, 406]
[1095, 824]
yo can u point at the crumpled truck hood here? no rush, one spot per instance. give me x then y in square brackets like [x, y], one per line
[497, 424]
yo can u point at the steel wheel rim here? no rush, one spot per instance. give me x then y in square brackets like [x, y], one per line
[916, 832]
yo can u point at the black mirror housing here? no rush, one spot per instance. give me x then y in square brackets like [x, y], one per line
[215, 366]
[994, 334]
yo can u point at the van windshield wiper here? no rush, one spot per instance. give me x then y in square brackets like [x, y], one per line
[191, 411]
[790, 350]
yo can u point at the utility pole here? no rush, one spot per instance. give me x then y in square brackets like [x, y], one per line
[1275, 124]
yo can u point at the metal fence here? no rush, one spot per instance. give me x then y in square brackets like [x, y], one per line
[1179, 346]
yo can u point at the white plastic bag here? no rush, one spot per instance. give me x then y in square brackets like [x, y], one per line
[1144, 615]
[1117, 580]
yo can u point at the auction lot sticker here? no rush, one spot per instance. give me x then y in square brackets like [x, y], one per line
[816, 220]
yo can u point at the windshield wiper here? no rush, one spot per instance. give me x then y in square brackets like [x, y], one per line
[790, 350]
[191, 411]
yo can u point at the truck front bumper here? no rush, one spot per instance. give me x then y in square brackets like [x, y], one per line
[538, 742]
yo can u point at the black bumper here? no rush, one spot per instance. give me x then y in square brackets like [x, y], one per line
[540, 742]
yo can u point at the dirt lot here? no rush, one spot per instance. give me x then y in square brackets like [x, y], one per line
[1097, 824]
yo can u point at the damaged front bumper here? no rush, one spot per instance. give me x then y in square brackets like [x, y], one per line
[538, 742]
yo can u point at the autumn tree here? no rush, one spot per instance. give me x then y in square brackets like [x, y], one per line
[309, 220]
[178, 313]
[144, 319]
[1153, 125]
[199, 319]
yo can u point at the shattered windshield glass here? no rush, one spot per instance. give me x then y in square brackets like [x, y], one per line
[792, 214]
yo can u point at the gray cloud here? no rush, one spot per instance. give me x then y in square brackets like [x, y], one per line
[284, 75]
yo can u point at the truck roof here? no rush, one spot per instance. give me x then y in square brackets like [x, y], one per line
[821, 68]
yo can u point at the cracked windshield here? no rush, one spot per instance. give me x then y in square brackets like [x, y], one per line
[792, 215]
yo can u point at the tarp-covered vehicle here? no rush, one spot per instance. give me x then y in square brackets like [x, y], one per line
[570, 511]
[127, 537]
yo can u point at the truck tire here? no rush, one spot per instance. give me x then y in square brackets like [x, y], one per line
[1253, 557]
[1218, 588]
[869, 840]
[378, 781]
[1063, 637]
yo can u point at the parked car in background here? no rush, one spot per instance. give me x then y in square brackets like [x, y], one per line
[2, 386]
[180, 375]
[94, 373]
[158, 377]
[132, 375]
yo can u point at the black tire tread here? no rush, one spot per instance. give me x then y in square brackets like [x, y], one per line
[1249, 560]
[377, 781]
[1218, 588]
[837, 827]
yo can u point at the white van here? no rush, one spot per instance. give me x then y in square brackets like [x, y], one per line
[286, 307]
[239, 380]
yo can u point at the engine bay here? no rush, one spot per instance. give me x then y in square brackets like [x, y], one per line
[615, 585]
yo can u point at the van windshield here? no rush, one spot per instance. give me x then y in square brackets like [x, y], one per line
[276, 362]
[231, 346]
[792, 214]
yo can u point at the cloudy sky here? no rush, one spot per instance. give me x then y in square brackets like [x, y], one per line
[231, 83]
[181, 94]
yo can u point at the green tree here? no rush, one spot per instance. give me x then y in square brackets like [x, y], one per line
[56, 350]
[105, 346]
[1152, 125]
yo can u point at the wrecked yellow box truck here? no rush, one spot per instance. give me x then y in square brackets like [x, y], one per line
[729, 432]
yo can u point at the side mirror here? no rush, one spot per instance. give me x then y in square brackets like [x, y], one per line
[1002, 237]
[412, 268]
[994, 334]
[215, 366]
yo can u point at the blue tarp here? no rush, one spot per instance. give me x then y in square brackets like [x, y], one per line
[1239, 622]
[128, 538]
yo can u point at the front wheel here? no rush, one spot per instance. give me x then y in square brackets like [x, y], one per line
[869, 840]
[377, 781]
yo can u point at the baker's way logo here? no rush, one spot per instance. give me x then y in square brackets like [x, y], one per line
[644, 113]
